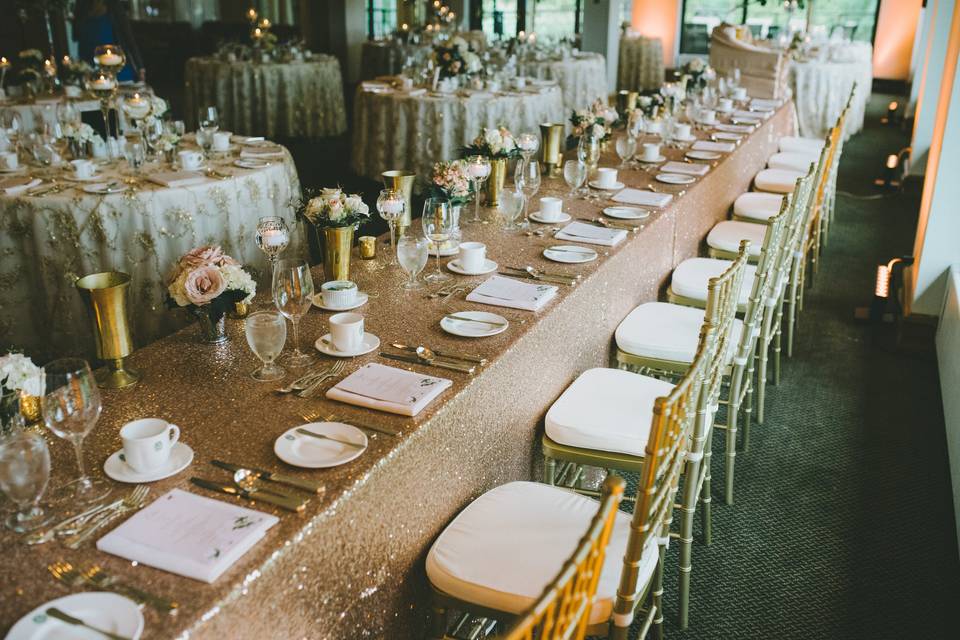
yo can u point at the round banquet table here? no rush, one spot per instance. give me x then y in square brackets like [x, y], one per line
[582, 78]
[641, 63]
[822, 84]
[397, 130]
[273, 99]
[48, 241]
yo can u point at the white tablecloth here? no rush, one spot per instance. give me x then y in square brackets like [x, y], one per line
[641, 63]
[48, 241]
[821, 86]
[277, 100]
[392, 130]
[582, 79]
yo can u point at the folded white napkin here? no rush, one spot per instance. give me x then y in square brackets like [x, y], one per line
[415, 92]
[249, 139]
[644, 198]
[177, 178]
[261, 154]
[591, 234]
[377, 386]
[734, 128]
[762, 104]
[376, 87]
[707, 145]
[189, 535]
[752, 114]
[19, 184]
[507, 292]
[689, 168]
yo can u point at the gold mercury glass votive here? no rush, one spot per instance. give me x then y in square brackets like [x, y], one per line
[368, 247]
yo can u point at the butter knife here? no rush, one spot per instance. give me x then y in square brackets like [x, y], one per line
[443, 354]
[63, 616]
[307, 485]
[429, 363]
[284, 503]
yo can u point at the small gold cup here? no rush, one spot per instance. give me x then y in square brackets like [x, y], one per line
[626, 101]
[550, 154]
[106, 297]
[368, 247]
[402, 181]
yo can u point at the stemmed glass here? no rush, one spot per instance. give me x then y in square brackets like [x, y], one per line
[208, 123]
[511, 204]
[437, 221]
[24, 473]
[266, 332]
[588, 152]
[527, 179]
[626, 148]
[293, 295]
[527, 143]
[176, 129]
[71, 409]
[575, 174]
[273, 236]
[391, 205]
[637, 123]
[479, 169]
[412, 253]
[134, 153]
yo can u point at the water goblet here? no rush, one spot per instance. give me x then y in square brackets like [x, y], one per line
[437, 221]
[479, 169]
[412, 254]
[527, 178]
[626, 148]
[208, 123]
[293, 294]
[637, 123]
[575, 174]
[135, 153]
[24, 473]
[512, 202]
[266, 333]
[71, 409]
[273, 236]
[527, 143]
[391, 205]
[588, 152]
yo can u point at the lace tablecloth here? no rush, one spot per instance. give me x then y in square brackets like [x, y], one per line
[641, 63]
[582, 79]
[46, 242]
[393, 130]
[277, 100]
[821, 87]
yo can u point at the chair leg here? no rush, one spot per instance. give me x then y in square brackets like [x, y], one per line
[777, 337]
[762, 378]
[791, 314]
[657, 597]
[733, 415]
[687, 508]
[549, 470]
[706, 497]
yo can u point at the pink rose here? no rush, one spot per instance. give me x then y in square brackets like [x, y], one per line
[206, 255]
[203, 284]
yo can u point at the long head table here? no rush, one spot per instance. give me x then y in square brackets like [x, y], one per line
[352, 565]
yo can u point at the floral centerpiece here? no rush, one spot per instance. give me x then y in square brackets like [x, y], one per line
[650, 104]
[75, 72]
[596, 122]
[499, 145]
[697, 73]
[79, 136]
[450, 180]
[21, 386]
[455, 58]
[30, 69]
[209, 283]
[334, 216]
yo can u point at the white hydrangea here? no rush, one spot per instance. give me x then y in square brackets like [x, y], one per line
[598, 131]
[696, 65]
[472, 62]
[236, 278]
[18, 373]
[458, 42]
[494, 140]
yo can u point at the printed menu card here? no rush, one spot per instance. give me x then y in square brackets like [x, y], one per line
[507, 292]
[591, 234]
[377, 386]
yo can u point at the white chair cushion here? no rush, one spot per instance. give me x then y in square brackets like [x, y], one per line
[726, 236]
[777, 180]
[797, 143]
[508, 544]
[691, 277]
[793, 160]
[667, 332]
[606, 410]
[757, 206]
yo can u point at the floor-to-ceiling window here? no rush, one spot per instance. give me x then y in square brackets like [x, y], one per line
[381, 18]
[556, 19]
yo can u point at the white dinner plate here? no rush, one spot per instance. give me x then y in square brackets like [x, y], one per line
[627, 213]
[704, 155]
[489, 266]
[251, 164]
[302, 450]
[107, 611]
[324, 344]
[100, 188]
[181, 455]
[729, 137]
[613, 187]
[359, 301]
[569, 254]
[658, 160]
[467, 329]
[675, 178]
[92, 178]
[564, 217]
[690, 138]
[742, 120]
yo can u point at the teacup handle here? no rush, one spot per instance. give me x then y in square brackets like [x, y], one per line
[174, 433]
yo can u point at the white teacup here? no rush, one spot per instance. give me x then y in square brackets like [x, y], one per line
[190, 160]
[606, 177]
[651, 152]
[724, 104]
[221, 141]
[493, 85]
[520, 82]
[473, 256]
[655, 127]
[406, 83]
[346, 330]
[708, 116]
[740, 94]
[338, 293]
[83, 169]
[551, 208]
[147, 443]
[9, 161]
[682, 130]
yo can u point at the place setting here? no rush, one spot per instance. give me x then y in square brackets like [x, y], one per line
[347, 337]
[340, 295]
[472, 260]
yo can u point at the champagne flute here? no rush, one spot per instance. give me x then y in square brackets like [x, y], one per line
[391, 205]
[527, 179]
[437, 221]
[24, 473]
[272, 237]
[293, 295]
[575, 174]
[512, 202]
[479, 169]
[412, 253]
[266, 332]
[626, 148]
[71, 409]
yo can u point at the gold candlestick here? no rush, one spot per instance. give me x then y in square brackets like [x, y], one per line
[106, 296]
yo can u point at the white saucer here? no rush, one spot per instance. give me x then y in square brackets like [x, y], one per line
[729, 137]
[742, 120]
[370, 343]
[251, 164]
[361, 300]
[467, 329]
[489, 266]
[302, 450]
[730, 110]
[660, 158]
[708, 123]
[569, 254]
[627, 213]
[181, 455]
[675, 178]
[107, 611]
[704, 155]
[690, 138]
[100, 189]
[444, 253]
[17, 170]
[614, 187]
[92, 178]
[564, 217]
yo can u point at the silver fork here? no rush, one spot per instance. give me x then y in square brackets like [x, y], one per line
[334, 371]
[66, 573]
[133, 501]
[96, 576]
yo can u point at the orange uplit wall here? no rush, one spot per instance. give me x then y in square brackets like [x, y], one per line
[896, 26]
[658, 19]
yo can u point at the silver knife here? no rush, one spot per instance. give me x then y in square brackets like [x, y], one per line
[549, 279]
[429, 363]
[443, 354]
[272, 476]
[230, 490]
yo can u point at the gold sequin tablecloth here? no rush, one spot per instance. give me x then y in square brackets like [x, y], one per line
[352, 565]
[46, 242]
[640, 66]
[273, 99]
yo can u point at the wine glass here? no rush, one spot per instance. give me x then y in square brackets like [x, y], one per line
[527, 179]
[391, 205]
[637, 123]
[527, 143]
[437, 221]
[208, 123]
[412, 253]
[266, 332]
[134, 153]
[293, 295]
[71, 409]
[479, 169]
[273, 236]
[512, 202]
[626, 148]
[24, 473]
[67, 113]
[588, 152]
[575, 174]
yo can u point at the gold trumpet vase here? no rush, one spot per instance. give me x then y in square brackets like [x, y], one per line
[401, 181]
[337, 245]
[498, 173]
[551, 150]
[106, 297]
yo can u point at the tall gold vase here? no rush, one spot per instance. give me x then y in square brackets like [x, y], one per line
[401, 181]
[551, 148]
[337, 243]
[106, 297]
[498, 173]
